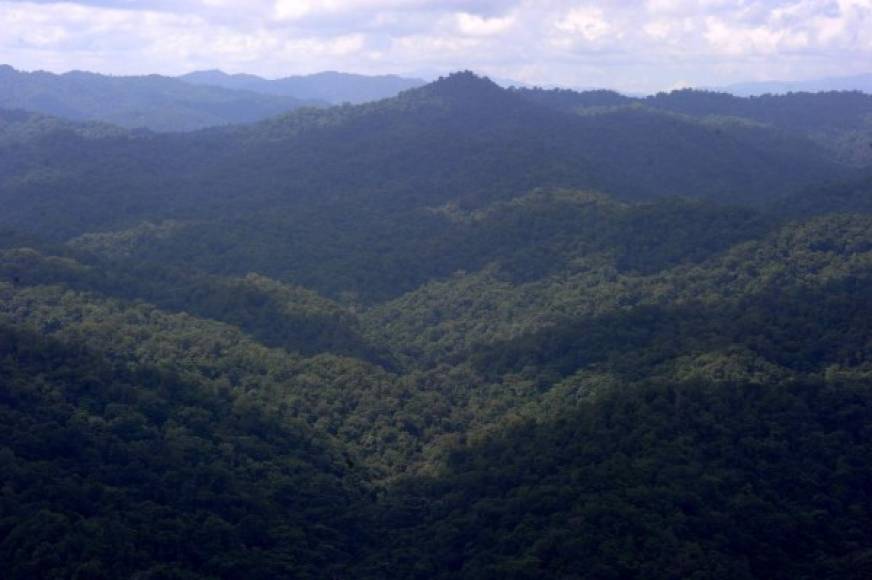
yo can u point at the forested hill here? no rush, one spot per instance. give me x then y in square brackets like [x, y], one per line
[639, 391]
[841, 121]
[154, 102]
[800, 111]
[458, 333]
[303, 197]
[462, 140]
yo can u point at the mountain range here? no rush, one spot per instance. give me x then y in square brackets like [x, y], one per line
[861, 83]
[153, 102]
[194, 101]
[329, 86]
[461, 332]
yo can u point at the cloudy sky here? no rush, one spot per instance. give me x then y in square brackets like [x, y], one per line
[635, 45]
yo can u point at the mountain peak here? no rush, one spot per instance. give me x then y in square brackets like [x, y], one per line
[466, 86]
[465, 80]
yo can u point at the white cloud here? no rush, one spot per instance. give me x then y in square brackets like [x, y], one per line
[666, 6]
[293, 9]
[474, 25]
[587, 21]
[630, 44]
[739, 40]
[430, 48]
[659, 29]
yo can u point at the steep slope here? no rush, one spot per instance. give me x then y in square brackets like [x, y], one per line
[329, 86]
[153, 102]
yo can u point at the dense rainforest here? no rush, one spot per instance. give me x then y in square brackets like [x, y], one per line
[464, 332]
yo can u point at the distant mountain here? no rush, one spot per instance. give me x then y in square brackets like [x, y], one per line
[308, 191]
[332, 87]
[851, 83]
[799, 112]
[841, 121]
[153, 102]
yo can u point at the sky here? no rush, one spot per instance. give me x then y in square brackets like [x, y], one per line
[629, 45]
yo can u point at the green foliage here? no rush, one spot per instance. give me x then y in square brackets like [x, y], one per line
[110, 472]
[391, 341]
[480, 364]
[665, 481]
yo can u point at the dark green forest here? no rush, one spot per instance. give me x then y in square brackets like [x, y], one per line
[465, 332]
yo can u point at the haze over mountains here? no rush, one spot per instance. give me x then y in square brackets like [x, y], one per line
[193, 101]
[851, 83]
[330, 87]
[154, 102]
[213, 98]
[461, 332]
[462, 140]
